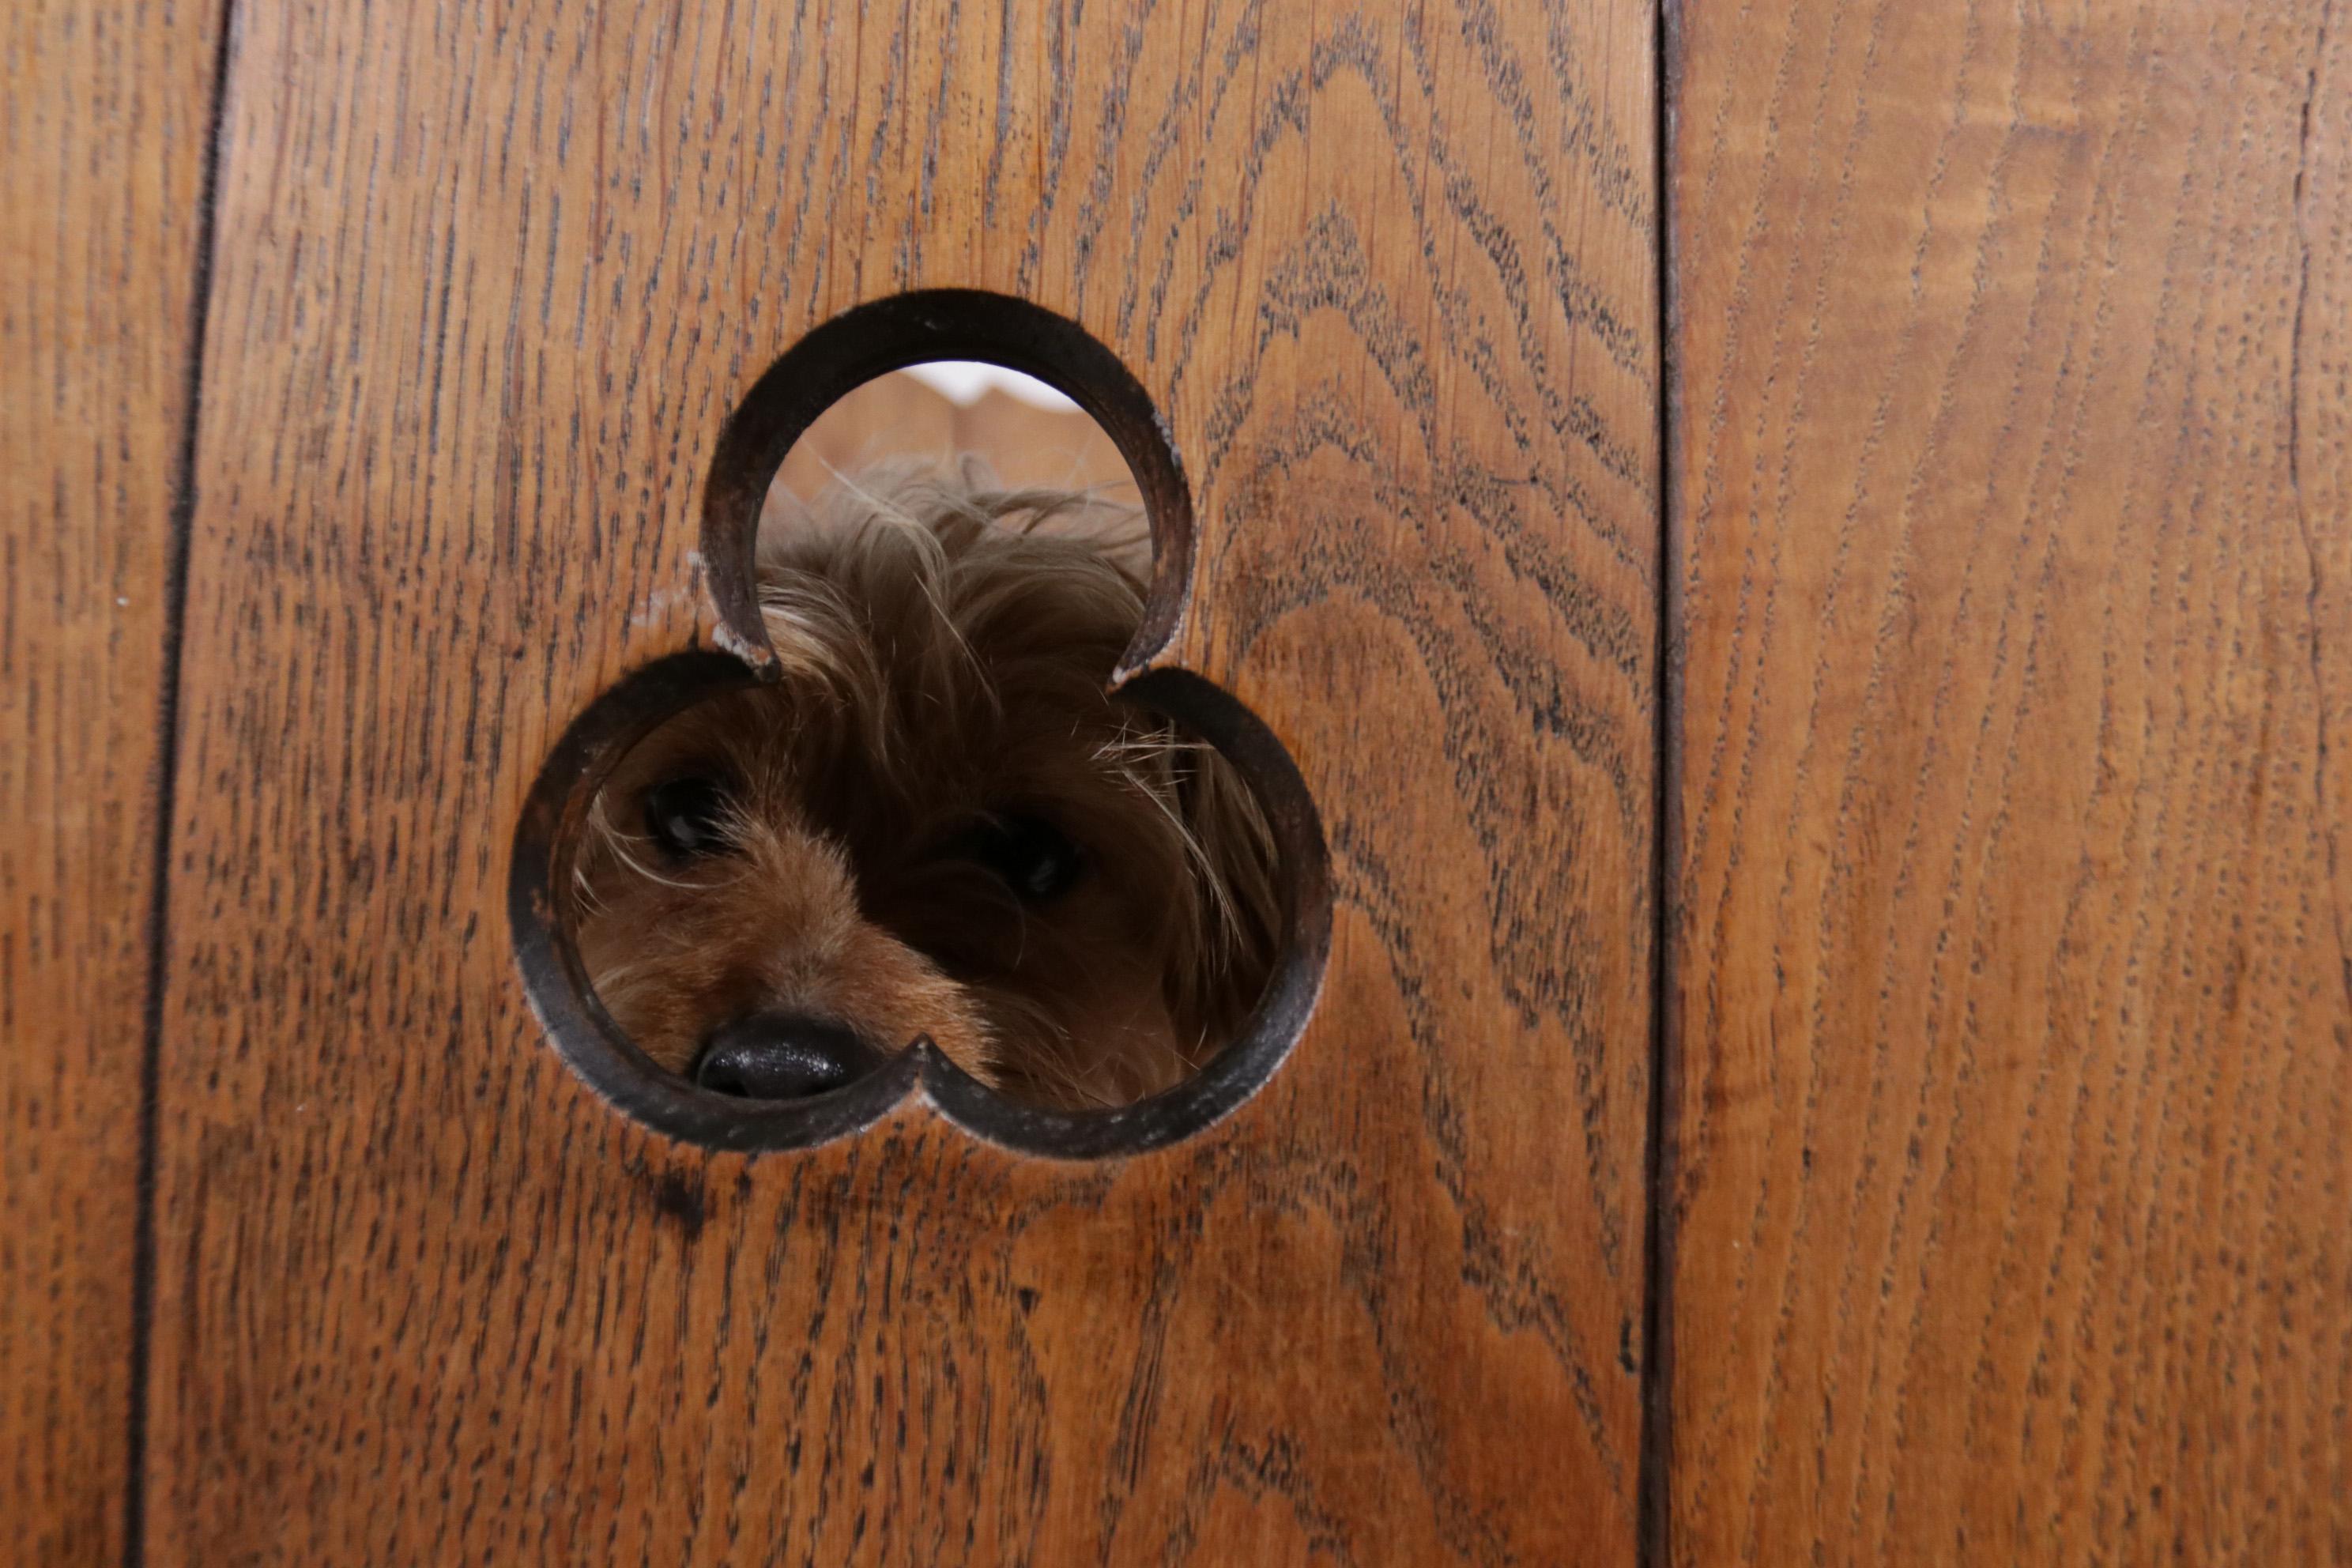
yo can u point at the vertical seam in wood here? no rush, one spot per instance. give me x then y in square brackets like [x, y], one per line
[167, 720]
[1653, 1521]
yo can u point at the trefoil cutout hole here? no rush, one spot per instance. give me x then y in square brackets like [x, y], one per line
[929, 834]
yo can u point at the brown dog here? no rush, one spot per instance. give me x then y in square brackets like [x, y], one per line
[935, 823]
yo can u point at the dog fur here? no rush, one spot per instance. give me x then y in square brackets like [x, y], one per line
[945, 648]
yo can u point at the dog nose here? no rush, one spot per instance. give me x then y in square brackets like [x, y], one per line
[782, 1056]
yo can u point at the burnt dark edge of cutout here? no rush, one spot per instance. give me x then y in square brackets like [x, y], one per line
[1302, 947]
[904, 330]
[871, 341]
[594, 1047]
[546, 840]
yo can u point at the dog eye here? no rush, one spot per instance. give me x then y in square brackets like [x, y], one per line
[1028, 855]
[688, 817]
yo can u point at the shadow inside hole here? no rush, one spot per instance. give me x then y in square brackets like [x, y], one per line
[1104, 916]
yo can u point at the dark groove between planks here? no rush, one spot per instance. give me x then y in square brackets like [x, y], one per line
[1653, 1485]
[167, 724]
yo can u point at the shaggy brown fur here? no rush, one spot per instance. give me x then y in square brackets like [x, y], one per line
[938, 823]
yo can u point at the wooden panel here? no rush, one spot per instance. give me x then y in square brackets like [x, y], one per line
[2011, 907]
[489, 285]
[103, 112]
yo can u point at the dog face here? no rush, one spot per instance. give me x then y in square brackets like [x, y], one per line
[935, 823]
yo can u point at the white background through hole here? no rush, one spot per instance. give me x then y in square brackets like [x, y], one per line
[966, 381]
[1022, 431]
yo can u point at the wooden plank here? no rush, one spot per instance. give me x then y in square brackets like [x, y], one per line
[103, 115]
[489, 285]
[2009, 911]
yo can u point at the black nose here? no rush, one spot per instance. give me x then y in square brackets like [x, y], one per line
[782, 1056]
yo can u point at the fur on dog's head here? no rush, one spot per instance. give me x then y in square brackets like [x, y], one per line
[937, 823]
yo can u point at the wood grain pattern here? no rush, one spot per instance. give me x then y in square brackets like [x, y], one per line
[487, 284]
[2011, 908]
[103, 113]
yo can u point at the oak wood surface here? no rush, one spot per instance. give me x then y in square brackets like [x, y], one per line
[2011, 1004]
[487, 284]
[103, 113]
